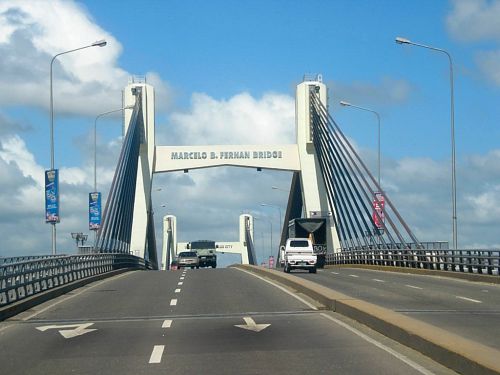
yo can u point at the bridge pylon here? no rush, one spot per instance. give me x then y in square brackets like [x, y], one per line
[142, 241]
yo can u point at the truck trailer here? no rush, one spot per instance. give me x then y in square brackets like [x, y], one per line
[313, 229]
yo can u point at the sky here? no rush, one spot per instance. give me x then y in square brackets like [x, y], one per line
[225, 72]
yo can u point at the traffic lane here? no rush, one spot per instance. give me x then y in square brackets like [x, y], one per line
[158, 294]
[487, 293]
[230, 291]
[292, 344]
[132, 294]
[429, 304]
[115, 347]
[405, 291]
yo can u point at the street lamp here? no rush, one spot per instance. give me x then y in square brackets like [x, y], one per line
[400, 40]
[95, 138]
[99, 43]
[271, 224]
[79, 236]
[278, 188]
[347, 104]
[279, 209]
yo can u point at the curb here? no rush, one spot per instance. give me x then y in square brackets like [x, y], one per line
[453, 351]
[29, 302]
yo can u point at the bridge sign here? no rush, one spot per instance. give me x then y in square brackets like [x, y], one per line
[52, 196]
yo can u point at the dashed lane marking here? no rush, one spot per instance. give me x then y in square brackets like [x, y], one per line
[469, 299]
[378, 280]
[180, 283]
[182, 278]
[157, 354]
[178, 290]
[414, 287]
[167, 323]
[173, 302]
[335, 273]
[354, 275]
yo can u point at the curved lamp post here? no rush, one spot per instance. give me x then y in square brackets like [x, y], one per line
[347, 104]
[400, 40]
[95, 139]
[99, 43]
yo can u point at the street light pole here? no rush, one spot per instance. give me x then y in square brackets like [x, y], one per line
[99, 43]
[95, 139]
[400, 40]
[347, 104]
[279, 209]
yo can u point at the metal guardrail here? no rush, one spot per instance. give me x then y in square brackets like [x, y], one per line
[467, 261]
[24, 258]
[22, 277]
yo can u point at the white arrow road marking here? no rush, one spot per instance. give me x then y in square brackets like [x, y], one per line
[251, 325]
[79, 329]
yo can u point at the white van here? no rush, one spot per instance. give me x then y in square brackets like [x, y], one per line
[299, 254]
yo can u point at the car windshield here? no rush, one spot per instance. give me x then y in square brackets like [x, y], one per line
[187, 254]
[299, 243]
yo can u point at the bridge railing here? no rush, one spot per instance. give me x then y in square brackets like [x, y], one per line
[481, 261]
[21, 278]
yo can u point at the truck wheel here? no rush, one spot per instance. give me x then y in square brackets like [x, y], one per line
[197, 267]
[287, 268]
[214, 265]
[312, 270]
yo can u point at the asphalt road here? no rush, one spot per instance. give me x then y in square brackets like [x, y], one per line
[469, 309]
[221, 321]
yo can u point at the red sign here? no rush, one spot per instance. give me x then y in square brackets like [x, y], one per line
[378, 208]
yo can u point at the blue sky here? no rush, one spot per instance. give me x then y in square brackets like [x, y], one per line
[235, 60]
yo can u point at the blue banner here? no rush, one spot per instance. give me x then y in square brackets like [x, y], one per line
[52, 196]
[94, 211]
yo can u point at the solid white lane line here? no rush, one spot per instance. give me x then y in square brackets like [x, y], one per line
[469, 299]
[282, 289]
[413, 286]
[180, 283]
[177, 290]
[167, 323]
[378, 280]
[74, 295]
[335, 273]
[394, 353]
[173, 302]
[354, 275]
[156, 354]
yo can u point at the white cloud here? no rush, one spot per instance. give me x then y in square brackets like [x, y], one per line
[388, 91]
[241, 119]
[85, 82]
[474, 20]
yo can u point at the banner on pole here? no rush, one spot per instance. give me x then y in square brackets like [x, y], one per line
[94, 211]
[52, 196]
[378, 210]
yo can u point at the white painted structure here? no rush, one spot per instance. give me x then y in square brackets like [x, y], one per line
[142, 203]
[240, 247]
[300, 157]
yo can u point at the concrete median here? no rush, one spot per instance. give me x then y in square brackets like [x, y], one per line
[456, 352]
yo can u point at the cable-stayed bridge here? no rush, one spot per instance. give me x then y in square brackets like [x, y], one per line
[85, 313]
